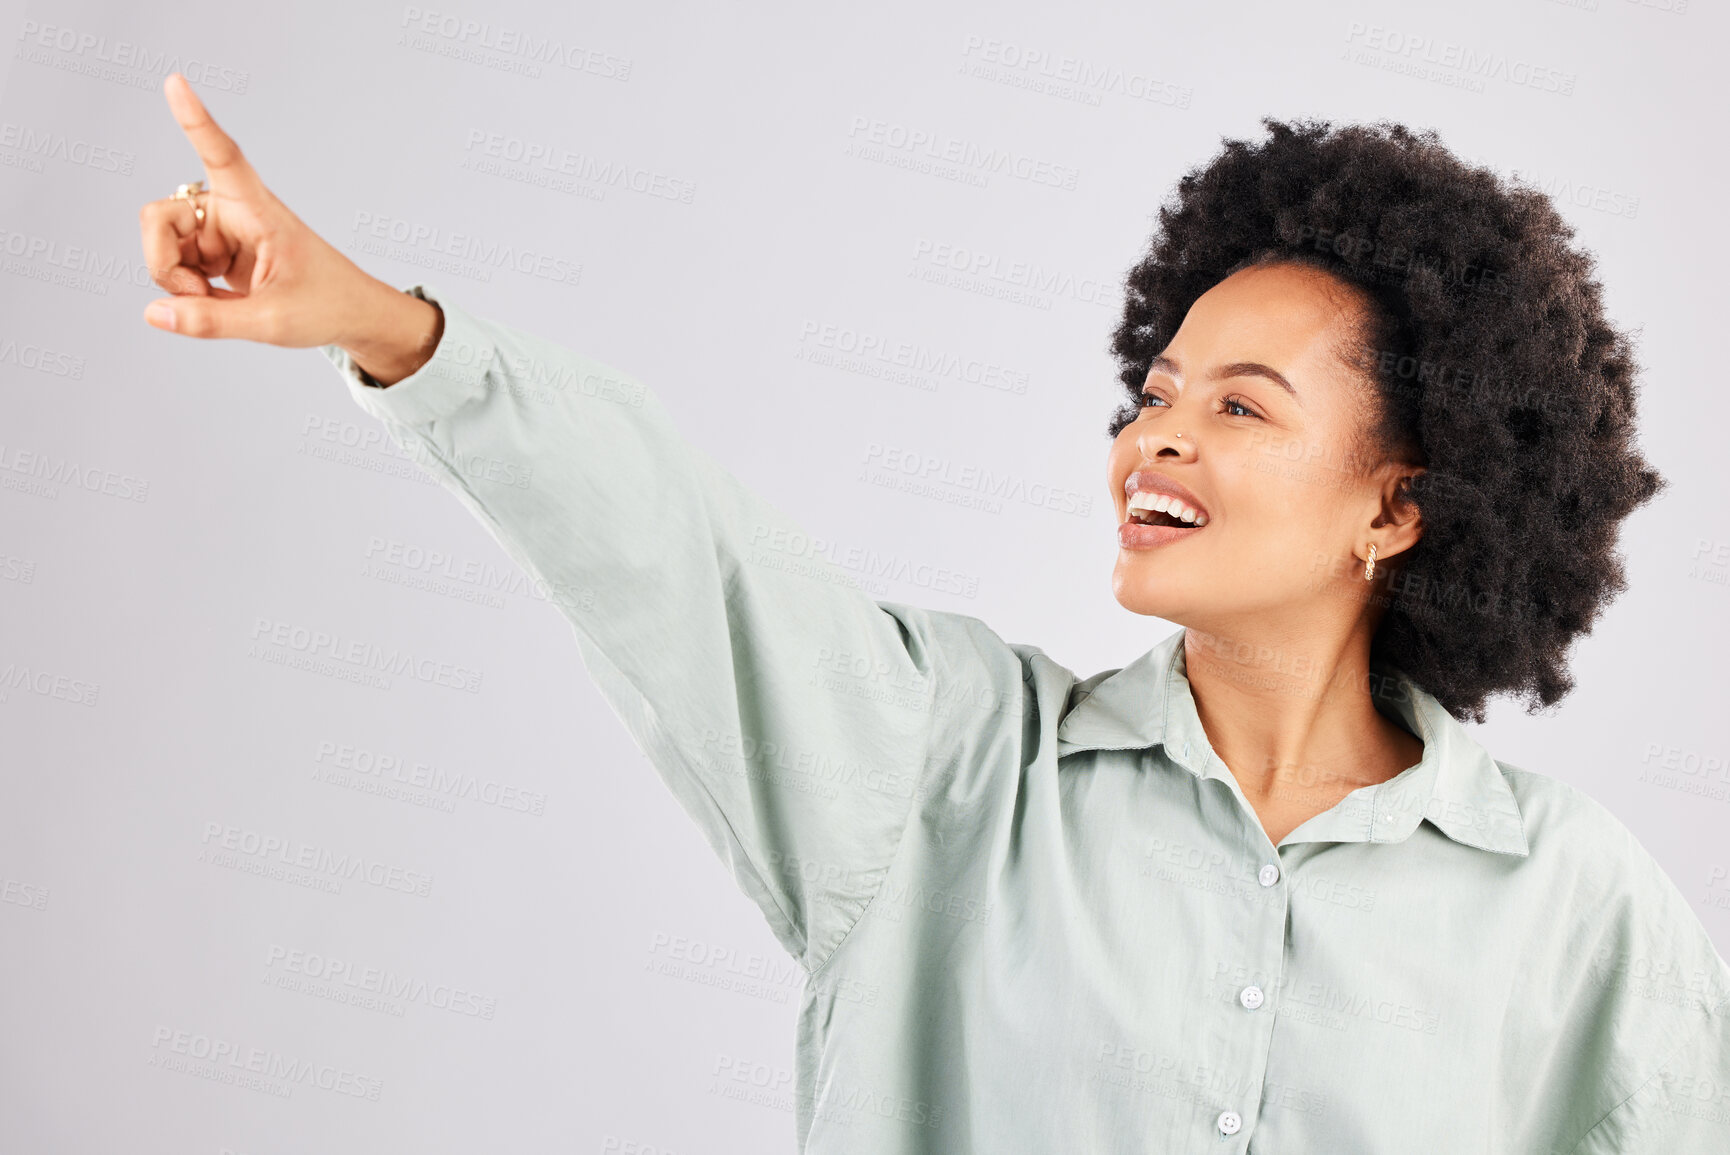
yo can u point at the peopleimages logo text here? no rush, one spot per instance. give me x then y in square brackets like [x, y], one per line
[315, 859]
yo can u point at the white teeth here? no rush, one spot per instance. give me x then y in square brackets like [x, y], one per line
[1164, 503]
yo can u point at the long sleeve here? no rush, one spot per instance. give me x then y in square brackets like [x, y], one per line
[1658, 1060]
[788, 712]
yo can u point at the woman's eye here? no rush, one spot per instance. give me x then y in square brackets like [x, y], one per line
[1150, 399]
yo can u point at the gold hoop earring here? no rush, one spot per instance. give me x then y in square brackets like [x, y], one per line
[1370, 565]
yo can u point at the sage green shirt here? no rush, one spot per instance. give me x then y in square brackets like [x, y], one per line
[1036, 911]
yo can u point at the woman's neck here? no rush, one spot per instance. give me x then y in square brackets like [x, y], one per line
[1293, 719]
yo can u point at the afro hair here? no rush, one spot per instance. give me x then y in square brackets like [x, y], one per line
[1484, 356]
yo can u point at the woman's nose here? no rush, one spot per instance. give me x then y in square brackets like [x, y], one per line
[1161, 437]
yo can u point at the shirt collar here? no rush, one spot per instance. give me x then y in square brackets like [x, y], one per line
[1456, 785]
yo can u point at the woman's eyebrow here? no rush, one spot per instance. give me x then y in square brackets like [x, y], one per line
[1236, 369]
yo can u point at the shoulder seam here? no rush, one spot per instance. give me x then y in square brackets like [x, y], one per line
[1712, 1017]
[939, 661]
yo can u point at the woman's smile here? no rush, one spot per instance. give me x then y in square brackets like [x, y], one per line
[1138, 535]
[1157, 511]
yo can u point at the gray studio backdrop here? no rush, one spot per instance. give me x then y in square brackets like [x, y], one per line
[868, 256]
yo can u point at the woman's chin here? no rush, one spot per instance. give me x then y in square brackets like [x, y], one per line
[1142, 593]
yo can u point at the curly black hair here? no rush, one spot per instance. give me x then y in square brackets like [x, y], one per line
[1482, 354]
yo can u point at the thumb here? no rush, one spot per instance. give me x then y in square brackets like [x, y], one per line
[242, 317]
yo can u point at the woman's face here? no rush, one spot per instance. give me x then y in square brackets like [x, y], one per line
[1288, 515]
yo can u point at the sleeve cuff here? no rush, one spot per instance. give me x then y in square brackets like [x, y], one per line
[454, 375]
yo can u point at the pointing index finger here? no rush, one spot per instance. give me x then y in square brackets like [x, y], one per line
[221, 156]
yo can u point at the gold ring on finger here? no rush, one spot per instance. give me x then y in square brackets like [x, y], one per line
[189, 192]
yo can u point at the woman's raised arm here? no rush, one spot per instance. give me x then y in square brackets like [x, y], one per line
[792, 716]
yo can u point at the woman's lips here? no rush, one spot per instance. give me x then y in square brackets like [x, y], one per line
[1152, 481]
[1132, 534]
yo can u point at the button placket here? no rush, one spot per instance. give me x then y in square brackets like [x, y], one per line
[1253, 997]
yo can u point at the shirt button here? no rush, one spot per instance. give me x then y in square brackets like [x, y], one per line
[1269, 875]
[1229, 1123]
[1250, 997]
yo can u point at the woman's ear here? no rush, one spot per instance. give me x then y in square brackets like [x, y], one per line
[1400, 512]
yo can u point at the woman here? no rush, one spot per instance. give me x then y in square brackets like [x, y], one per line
[1258, 890]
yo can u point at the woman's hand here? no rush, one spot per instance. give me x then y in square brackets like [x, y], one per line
[287, 285]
